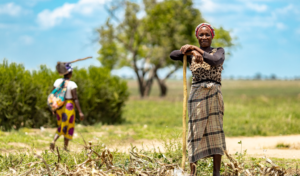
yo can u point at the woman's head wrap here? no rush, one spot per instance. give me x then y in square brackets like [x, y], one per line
[69, 67]
[212, 31]
[64, 68]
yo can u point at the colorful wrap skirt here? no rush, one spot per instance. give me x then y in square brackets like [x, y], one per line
[206, 109]
[66, 119]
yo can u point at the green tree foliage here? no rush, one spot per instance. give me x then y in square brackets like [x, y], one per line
[23, 96]
[101, 95]
[145, 42]
[108, 56]
[170, 24]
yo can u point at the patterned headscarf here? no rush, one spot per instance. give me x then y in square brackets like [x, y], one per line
[212, 31]
[68, 67]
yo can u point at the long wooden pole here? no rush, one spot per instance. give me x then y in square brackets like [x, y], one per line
[81, 59]
[184, 113]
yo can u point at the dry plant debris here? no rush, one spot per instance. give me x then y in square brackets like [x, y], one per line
[102, 164]
[233, 167]
[140, 164]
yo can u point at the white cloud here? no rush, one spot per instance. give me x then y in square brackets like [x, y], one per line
[3, 26]
[248, 23]
[257, 7]
[297, 31]
[285, 10]
[209, 6]
[290, 11]
[48, 18]
[32, 3]
[87, 7]
[27, 40]
[215, 11]
[281, 26]
[255, 0]
[10, 9]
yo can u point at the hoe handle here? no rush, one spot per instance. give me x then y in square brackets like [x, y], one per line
[80, 59]
[184, 113]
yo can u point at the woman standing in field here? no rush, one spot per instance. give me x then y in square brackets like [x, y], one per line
[66, 115]
[205, 105]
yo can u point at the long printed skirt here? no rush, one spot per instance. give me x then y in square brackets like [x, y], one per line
[206, 109]
[66, 120]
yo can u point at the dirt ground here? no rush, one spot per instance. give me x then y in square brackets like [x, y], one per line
[266, 146]
[255, 146]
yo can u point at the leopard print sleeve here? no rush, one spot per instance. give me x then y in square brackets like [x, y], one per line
[205, 71]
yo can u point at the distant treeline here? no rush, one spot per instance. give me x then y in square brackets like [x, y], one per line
[255, 77]
[259, 76]
[23, 96]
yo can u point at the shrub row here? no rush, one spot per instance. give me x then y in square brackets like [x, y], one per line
[23, 96]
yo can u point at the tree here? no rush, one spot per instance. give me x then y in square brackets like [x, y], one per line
[273, 77]
[257, 76]
[145, 43]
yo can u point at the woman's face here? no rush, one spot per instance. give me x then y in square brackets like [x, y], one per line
[204, 37]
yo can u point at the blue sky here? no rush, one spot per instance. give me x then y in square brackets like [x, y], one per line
[35, 32]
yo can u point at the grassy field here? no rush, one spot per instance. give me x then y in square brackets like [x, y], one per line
[252, 108]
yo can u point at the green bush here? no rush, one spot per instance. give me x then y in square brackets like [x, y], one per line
[17, 95]
[101, 95]
[23, 96]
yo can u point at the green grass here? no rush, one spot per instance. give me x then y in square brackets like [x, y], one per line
[283, 146]
[251, 108]
[261, 108]
[22, 162]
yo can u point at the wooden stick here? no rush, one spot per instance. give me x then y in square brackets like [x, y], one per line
[43, 160]
[81, 59]
[184, 113]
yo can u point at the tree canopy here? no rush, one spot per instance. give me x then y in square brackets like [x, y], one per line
[146, 34]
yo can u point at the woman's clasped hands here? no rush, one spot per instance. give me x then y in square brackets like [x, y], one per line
[190, 50]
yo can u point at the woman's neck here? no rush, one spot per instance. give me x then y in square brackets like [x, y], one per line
[206, 49]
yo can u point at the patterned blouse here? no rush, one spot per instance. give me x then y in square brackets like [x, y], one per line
[210, 70]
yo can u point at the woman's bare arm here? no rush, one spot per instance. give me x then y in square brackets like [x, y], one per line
[76, 101]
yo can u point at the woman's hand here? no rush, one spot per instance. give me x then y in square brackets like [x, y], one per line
[186, 48]
[198, 57]
[81, 116]
[76, 101]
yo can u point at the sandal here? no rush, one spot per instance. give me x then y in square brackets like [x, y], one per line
[66, 149]
[52, 146]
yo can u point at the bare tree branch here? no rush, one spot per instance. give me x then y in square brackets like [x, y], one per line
[171, 72]
[113, 8]
[111, 13]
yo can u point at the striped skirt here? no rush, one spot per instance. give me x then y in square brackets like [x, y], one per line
[206, 109]
[66, 119]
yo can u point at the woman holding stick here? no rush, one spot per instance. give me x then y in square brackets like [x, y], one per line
[205, 105]
[66, 114]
